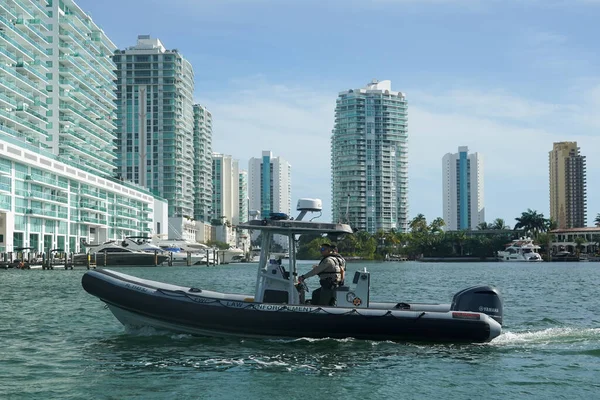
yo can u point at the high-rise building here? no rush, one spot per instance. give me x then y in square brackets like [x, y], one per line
[462, 183]
[568, 203]
[226, 186]
[369, 158]
[155, 122]
[202, 163]
[270, 184]
[57, 133]
[243, 238]
[243, 199]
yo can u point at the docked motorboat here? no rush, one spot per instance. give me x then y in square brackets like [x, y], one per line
[186, 252]
[231, 255]
[277, 308]
[178, 256]
[114, 253]
[522, 249]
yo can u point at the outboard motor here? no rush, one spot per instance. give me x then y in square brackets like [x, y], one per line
[483, 299]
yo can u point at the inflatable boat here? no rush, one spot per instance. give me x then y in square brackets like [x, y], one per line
[277, 308]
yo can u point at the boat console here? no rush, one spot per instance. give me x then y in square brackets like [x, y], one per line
[273, 283]
[358, 296]
[276, 284]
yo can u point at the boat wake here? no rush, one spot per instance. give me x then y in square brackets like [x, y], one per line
[547, 336]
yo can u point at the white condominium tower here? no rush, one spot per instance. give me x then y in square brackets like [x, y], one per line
[568, 203]
[57, 116]
[369, 158]
[202, 163]
[243, 190]
[226, 189]
[155, 122]
[270, 184]
[463, 190]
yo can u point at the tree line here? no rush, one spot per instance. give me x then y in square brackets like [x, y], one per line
[430, 240]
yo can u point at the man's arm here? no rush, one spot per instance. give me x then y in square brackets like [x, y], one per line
[318, 269]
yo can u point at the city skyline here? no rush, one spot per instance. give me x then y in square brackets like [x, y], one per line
[506, 78]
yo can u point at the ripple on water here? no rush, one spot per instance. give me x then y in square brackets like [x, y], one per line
[59, 342]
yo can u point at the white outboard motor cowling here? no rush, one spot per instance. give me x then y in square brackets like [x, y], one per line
[483, 299]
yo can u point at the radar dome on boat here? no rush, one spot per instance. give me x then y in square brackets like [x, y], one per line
[309, 205]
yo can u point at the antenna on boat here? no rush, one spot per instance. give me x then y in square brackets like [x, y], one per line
[306, 205]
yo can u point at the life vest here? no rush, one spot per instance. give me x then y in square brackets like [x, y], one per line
[335, 270]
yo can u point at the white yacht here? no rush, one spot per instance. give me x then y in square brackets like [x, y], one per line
[231, 255]
[522, 249]
[180, 248]
[140, 243]
[114, 253]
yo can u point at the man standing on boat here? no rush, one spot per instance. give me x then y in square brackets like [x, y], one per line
[331, 271]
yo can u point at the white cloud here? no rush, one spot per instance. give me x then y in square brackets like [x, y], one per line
[294, 123]
[490, 104]
[513, 134]
[514, 147]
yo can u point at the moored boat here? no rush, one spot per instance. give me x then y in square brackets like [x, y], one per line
[113, 254]
[519, 250]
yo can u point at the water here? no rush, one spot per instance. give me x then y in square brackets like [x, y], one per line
[58, 342]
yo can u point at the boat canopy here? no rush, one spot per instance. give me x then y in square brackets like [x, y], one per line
[273, 283]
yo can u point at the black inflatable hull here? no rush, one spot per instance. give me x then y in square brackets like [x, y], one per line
[139, 302]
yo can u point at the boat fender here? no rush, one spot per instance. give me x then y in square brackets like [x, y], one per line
[195, 290]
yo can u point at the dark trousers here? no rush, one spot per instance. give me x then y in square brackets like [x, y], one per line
[323, 296]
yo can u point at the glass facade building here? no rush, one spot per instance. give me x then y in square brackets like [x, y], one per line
[269, 184]
[270, 189]
[462, 187]
[369, 159]
[57, 136]
[155, 122]
[226, 189]
[202, 163]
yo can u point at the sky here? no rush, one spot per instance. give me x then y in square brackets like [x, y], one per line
[507, 78]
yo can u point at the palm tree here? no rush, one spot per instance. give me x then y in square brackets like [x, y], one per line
[579, 241]
[531, 222]
[545, 241]
[418, 224]
[597, 220]
[437, 225]
[459, 238]
[551, 224]
[596, 241]
[499, 224]
[483, 226]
